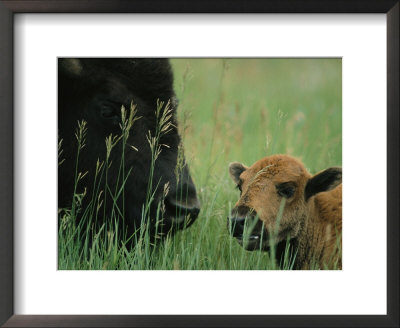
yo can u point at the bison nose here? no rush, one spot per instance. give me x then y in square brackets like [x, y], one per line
[194, 212]
[236, 225]
[183, 202]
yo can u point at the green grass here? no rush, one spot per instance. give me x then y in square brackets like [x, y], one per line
[230, 110]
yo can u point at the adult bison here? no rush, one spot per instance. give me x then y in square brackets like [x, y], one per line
[94, 90]
[282, 200]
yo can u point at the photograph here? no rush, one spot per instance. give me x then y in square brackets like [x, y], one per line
[176, 164]
[199, 163]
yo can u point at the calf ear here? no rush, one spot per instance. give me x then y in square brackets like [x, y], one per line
[323, 181]
[235, 170]
[70, 66]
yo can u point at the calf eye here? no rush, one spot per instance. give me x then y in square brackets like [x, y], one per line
[286, 189]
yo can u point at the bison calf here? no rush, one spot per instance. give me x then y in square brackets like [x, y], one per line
[280, 201]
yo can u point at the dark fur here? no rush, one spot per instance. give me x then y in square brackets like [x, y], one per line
[85, 88]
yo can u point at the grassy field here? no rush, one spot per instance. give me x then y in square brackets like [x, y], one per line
[232, 110]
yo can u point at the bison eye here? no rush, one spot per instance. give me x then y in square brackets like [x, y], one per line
[286, 189]
[108, 112]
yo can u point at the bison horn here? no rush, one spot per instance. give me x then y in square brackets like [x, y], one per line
[71, 66]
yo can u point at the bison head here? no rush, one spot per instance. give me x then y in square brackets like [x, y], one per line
[273, 199]
[94, 90]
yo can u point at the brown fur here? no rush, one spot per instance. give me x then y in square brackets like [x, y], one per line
[314, 223]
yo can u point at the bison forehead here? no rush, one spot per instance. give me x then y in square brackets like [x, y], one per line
[150, 77]
[117, 91]
[149, 67]
[155, 70]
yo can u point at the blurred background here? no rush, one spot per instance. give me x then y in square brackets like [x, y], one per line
[245, 109]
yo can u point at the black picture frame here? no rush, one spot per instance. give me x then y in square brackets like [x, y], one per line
[7, 11]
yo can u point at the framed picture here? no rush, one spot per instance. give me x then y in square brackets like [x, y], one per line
[251, 79]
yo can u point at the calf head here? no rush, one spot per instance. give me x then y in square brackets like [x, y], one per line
[274, 193]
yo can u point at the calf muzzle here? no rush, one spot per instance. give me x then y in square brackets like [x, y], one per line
[236, 226]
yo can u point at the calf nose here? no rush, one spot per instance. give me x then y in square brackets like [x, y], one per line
[236, 225]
